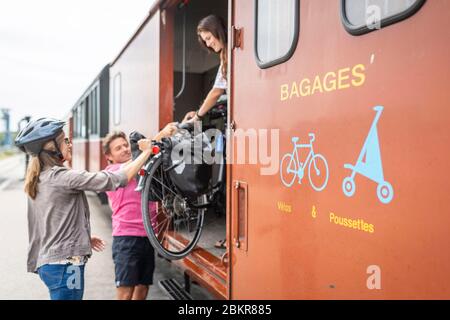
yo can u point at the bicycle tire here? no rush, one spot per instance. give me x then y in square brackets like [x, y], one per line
[312, 162]
[152, 236]
[286, 181]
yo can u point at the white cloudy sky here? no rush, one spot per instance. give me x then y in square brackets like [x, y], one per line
[50, 50]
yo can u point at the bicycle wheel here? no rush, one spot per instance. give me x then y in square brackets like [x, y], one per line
[174, 228]
[318, 173]
[288, 170]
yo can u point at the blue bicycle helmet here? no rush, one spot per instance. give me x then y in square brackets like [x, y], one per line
[36, 133]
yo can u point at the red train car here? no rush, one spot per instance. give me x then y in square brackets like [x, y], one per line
[345, 102]
[90, 124]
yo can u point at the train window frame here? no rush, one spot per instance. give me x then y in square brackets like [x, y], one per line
[74, 122]
[364, 29]
[84, 125]
[97, 109]
[89, 109]
[268, 64]
[79, 112]
[94, 112]
[117, 120]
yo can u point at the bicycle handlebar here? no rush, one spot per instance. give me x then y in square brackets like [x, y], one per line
[185, 126]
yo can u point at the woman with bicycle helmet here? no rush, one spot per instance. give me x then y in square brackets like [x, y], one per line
[60, 239]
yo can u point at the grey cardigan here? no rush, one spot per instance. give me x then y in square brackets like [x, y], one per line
[58, 219]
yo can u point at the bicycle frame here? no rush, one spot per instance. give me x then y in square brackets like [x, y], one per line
[303, 165]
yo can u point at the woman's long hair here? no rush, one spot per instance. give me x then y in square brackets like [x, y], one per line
[39, 163]
[216, 26]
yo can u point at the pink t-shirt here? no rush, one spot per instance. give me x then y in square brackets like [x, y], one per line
[126, 206]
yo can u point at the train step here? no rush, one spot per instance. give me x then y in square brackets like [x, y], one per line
[174, 290]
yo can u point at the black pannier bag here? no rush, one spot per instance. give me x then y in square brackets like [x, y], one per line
[185, 165]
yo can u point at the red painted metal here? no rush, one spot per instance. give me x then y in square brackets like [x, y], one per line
[296, 241]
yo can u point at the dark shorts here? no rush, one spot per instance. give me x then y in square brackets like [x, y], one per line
[134, 260]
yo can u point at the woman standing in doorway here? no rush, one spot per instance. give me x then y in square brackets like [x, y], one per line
[212, 34]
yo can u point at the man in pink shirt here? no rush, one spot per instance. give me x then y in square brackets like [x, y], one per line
[133, 255]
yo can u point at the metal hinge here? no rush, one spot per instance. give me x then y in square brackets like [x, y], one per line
[236, 37]
[232, 125]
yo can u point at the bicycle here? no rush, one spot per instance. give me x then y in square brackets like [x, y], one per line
[175, 228]
[291, 167]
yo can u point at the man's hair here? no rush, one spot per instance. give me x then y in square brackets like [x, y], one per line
[110, 137]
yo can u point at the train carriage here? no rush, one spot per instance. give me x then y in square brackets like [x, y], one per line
[362, 211]
[344, 104]
[90, 116]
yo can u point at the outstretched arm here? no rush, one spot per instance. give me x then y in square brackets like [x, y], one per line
[210, 101]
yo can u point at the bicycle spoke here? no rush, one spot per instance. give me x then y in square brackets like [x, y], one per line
[157, 227]
[159, 213]
[166, 224]
[166, 229]
[164, 186]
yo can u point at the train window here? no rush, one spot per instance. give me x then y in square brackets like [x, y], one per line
[277, 27]
[83, 118]
[117, 98]
[96, 110]
[93, 114]
[89, 112]
[363, 16]
[76, 131]
[80, 121]
[75, 122]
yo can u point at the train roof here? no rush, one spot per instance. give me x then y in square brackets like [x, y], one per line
[153, 10]
[99, 75]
